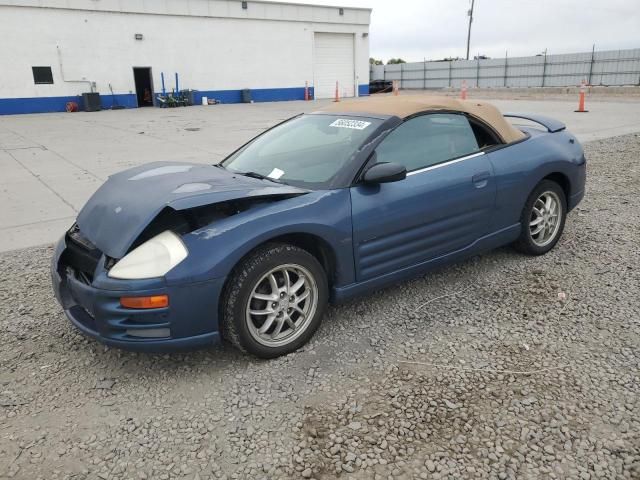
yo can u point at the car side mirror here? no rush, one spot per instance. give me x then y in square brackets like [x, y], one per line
[385, 172]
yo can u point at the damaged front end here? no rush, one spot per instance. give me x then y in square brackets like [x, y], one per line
[109, 269]
[125, 207]
[144, 315]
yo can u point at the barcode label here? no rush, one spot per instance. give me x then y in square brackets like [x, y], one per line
[353, 124]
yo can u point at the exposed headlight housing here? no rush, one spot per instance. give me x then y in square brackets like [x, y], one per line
[154, 258]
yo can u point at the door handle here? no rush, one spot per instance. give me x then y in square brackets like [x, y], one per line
[481, 179]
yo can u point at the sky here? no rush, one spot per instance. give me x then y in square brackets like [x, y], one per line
[434, 29]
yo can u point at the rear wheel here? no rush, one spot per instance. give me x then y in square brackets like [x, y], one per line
[542, 219]
[274, 301]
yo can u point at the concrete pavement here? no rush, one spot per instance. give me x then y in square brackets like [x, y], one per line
[51, 163]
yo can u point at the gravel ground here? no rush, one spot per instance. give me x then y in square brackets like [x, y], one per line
[503, 366]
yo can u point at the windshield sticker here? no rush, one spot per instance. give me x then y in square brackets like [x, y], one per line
[276, 173]
[352, 124]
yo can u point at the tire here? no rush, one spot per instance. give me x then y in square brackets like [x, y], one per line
[540, 243]
[250, 304]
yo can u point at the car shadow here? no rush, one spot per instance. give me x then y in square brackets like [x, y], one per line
[340, 330]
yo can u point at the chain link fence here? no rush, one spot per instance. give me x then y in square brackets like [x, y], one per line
[610, 68]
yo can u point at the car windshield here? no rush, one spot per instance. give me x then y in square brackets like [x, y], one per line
[306, 151]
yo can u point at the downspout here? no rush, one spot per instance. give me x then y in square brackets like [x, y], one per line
[90, 83]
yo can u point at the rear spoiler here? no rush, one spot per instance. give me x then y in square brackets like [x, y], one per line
[550, 124]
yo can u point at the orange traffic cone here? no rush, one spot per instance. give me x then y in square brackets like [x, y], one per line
[581, 101]
[337, 99]
[463, 90]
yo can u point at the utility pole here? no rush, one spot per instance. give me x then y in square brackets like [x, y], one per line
[544, 66]
[593, 53]
[470, 13]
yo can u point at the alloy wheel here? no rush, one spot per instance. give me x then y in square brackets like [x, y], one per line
[544, 222]
[281, 305]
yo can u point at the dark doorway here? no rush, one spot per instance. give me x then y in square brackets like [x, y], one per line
[144, 86]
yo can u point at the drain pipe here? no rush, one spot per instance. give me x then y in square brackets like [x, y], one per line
[92, 85]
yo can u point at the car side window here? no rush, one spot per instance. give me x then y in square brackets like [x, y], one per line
[485, 137]
[427, 140]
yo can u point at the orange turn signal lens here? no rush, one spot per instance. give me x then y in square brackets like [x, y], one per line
[154, 301]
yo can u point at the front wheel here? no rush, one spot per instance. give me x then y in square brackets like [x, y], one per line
[542, 219]
[274, 301]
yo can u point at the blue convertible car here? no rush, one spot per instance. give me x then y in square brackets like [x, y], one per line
[319, 208]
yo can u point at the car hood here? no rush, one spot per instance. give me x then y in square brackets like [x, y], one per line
[128, 201]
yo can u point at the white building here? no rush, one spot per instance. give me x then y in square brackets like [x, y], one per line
[55, 50]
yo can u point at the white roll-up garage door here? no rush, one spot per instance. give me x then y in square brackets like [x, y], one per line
[333, 62]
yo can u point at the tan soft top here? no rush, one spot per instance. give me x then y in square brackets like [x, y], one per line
[404, 106]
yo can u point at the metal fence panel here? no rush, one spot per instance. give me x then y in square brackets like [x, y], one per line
[377, 72]
[614, 67]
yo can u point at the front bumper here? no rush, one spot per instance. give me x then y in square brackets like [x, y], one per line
[190, 321]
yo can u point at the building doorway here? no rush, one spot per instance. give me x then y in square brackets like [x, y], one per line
[144, 86]
[334, 65]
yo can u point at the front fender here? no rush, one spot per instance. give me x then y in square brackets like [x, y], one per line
[217, 248]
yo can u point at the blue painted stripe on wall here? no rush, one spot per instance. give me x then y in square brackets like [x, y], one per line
[35, 105]
[9, 106]
[257, 95]
[128, 100]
